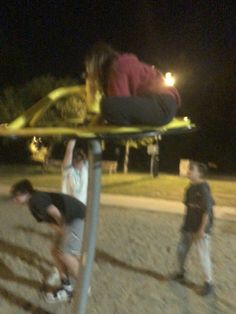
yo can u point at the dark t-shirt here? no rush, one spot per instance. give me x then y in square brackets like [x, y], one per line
[198, 201]
[69, 207]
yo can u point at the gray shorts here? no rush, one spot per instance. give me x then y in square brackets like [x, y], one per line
[71, 241]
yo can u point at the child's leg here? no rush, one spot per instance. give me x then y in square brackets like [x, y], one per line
[56, 254]
[71, 262]
[203, 246]
[183, 249]
[72, 246]
[69, 251]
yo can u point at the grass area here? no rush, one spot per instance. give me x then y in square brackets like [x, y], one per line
[11, 174]
[166, 186]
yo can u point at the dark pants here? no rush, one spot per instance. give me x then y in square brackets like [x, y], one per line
[153, 110]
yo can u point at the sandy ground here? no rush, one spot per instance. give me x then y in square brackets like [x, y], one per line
[135, 255]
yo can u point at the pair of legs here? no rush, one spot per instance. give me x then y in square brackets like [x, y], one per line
[153, 110]
[67, 264]
[66, 249]
[203, 247]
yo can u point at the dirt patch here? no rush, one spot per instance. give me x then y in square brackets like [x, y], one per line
[135, 255]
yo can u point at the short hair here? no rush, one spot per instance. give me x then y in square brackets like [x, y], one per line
[79, 155]
[202, 168]
[22, 187]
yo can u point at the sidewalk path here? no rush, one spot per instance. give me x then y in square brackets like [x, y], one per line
[146, 203]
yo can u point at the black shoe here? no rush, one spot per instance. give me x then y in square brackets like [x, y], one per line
[207, 289]
[65, 281]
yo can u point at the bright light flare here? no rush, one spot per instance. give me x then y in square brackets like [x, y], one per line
[169, 79]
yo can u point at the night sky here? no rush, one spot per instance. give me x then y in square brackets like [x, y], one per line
[196, 40]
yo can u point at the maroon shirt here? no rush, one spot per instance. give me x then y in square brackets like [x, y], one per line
[128, 76]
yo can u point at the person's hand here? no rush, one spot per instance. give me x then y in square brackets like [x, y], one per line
[200, 234]
[57, 229]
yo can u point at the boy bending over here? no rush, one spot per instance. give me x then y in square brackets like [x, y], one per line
[65, 214]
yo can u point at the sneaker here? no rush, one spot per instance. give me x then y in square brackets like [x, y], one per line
[65, 283]
[207, 289]
[54, 278]
[59, 295]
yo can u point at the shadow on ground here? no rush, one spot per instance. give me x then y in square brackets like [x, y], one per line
[30, 257]
[29, 230]
[22, 303]
[102, 256]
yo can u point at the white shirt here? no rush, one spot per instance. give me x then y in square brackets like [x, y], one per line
[75, 182]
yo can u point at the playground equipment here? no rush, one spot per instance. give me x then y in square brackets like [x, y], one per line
[25, 126]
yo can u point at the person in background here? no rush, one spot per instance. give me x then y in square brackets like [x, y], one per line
[74, 183]
[75, 172]
[197, 224]
[132, 92]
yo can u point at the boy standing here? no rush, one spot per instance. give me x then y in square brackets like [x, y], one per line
[75, 172]
[197, 224]
[74, 183]
[65, 214]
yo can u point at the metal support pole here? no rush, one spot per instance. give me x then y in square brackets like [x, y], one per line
[91, 221]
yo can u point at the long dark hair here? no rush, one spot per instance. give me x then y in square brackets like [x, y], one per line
[97, 63]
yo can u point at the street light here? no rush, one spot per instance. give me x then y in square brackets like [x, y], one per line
[169, 79]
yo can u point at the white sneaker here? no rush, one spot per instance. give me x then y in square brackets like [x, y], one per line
[54, 278]
[60, 295]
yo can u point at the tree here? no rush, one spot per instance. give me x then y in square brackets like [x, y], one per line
[14, 100]
[126, 159]
[10, 105]
[134, 144]
[68, 110]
